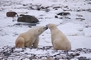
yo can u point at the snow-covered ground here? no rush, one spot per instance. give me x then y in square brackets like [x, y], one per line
[76, 26]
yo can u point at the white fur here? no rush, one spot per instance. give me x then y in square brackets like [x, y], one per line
[29, 38]
[59, 40]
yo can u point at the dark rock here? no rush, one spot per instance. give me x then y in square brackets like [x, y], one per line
[63, 13]
[11, 14]
[67, 17]
[12, 49]
[24, 5]
[82, 58]
[61, 18]
[79, 15]
[6, 53]
[79, 49]
[47, 10]
[28, 19]
[81, 19]
[33, 57]
[56, 16]
[25, 24]
[42, 7]
[56, 8]
[72, 55]
[89, 10]
[78, 10]
[89, 2]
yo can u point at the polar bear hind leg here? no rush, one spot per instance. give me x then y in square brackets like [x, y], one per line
[20, 43]
[58, 45]
[55, 45]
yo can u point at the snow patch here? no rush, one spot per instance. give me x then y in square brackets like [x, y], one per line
[71, 29]
[87, 32]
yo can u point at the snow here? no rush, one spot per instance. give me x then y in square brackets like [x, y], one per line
[77, 31]
[87, 32]
[71, 29]
[80, 41]
[86, 55]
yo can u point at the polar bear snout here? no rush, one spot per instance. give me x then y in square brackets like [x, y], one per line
[46, 28]
[50, 25]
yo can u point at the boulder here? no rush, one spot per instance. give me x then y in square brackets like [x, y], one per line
[27, 18]
[11, 14]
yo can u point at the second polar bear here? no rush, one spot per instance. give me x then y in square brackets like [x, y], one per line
[29, 38]
[59, 40]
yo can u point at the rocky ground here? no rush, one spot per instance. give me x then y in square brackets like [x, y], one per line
[42, 53]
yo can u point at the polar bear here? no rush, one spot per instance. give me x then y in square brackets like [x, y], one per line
[59, 40]
[29, 38]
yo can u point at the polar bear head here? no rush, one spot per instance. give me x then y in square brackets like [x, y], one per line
[39, 30]
[51, 26]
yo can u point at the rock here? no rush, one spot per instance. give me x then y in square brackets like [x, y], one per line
[79, 15]
[33, 57]
[89, 10]
[6, 53]
[27, 18]
[63, 13]
[56, 7]
[56, 16]
[25, 24]
[11, 14]
[82, 58]
[81, 19]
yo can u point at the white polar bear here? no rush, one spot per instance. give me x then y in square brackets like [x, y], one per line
[59, 40]
[29, 38]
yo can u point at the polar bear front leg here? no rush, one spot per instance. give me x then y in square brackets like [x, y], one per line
[54, 45]
[35, 44]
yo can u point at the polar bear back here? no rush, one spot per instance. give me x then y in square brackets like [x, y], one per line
[59, 40]
[30, 37]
